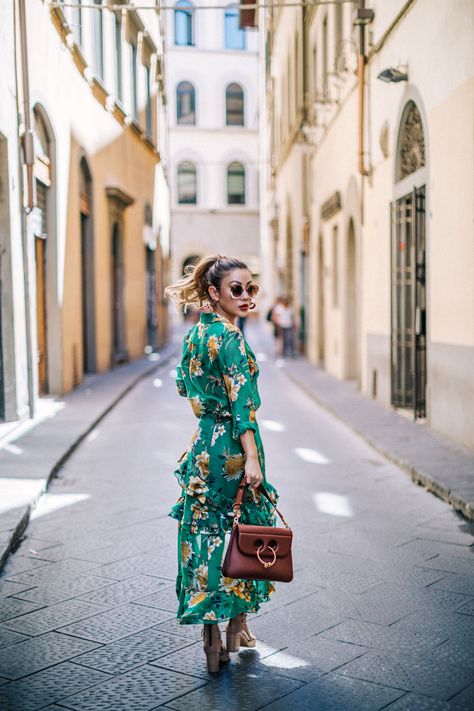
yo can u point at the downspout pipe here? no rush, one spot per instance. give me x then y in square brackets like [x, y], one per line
[26, 158]
[27, 138]
[361, 16]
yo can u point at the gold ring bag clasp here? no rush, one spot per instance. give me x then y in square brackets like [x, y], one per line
[265, 563]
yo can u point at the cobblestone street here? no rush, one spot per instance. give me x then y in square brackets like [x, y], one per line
[380, 614]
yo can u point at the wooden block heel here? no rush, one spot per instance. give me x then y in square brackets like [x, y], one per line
[216, 653]
[212, 659]
[233, 641]
[238, 634]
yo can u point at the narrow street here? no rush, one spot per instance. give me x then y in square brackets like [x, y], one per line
[380, 614]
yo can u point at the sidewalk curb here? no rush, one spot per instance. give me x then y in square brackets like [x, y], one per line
[10, 545]
[417, 475]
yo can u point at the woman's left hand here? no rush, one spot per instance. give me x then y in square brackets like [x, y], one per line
[253, 473]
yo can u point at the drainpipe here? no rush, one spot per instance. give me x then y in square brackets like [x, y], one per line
[27, 141]
[26, 158]
[363, 17]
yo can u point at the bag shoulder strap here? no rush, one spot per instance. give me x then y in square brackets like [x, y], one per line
[240, 496]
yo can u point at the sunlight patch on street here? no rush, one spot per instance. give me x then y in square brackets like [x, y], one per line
[333, 504]
[282, 660]
[311, 455]
[53, 502]
[46, 409]
[18, 492]
[273, 425]
[93, 434]
[13, 449]
[157, 382]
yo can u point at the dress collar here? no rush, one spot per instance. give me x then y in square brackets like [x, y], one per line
[210, 316]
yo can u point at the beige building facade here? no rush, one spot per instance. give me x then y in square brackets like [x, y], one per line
[89, 215]
[367, 204]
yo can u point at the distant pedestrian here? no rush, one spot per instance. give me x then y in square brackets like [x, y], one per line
[284, 317]
[241, 320]
[218, 374]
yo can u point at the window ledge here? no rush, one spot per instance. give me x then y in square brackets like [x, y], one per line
[117, 110]
[134, 125]
[78, 56]
[150, 143]
[60, 22]
[99, 90]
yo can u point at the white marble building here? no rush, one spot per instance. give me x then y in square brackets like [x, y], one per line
[212, 85]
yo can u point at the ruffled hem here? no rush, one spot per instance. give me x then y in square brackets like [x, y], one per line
[218, 606]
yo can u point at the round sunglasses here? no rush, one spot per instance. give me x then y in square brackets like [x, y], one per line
[237, 290]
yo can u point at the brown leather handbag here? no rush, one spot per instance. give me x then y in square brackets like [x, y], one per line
[258, 552]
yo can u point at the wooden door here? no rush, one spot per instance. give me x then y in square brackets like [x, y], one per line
[40, 254]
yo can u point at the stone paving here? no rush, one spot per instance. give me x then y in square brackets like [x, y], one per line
[432, 460]
[31, 453]
[380, 614]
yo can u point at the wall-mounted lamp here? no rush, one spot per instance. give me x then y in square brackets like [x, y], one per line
[392, 74]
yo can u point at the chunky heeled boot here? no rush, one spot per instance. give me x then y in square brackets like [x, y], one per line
[238, 633]
[214, 650]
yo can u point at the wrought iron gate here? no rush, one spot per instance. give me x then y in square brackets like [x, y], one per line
[408, 308]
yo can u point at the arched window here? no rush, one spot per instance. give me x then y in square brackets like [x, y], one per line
[235, 184]
[184, 23]
[234, 105]
[187, 189]
[411, 142]
[234, 36]
[185, 103]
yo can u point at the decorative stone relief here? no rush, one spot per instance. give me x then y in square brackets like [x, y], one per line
[411, 145]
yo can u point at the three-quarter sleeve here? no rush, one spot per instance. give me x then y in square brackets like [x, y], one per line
[238, 384]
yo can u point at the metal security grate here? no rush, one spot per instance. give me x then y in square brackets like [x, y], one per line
[408, 308]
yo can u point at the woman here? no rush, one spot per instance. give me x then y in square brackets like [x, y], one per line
[218, 374]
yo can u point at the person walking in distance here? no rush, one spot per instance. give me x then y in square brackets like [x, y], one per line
[218, 374]
[283, 315]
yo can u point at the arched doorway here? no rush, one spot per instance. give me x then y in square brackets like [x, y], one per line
[87, 268]
[43, 181]
[408, 267]
[321, 304]
[118, 203]
[352, 306]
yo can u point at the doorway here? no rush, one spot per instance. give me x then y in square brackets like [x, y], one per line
[408, 289]
[87, 269]
[352, 306]
[321, 304]
[151, 297]
[41, 318]
[119, 354]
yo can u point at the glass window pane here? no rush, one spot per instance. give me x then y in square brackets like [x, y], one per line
[118, 57]
[98, 41]
[234, 36]
[236, 184]
[187, 183]
[234, 105]
[185, 103]
[183, 23]
[133, 77]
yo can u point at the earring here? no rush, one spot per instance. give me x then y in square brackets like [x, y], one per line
[252, 305]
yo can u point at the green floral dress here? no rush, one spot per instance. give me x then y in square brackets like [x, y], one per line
[218, 374]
